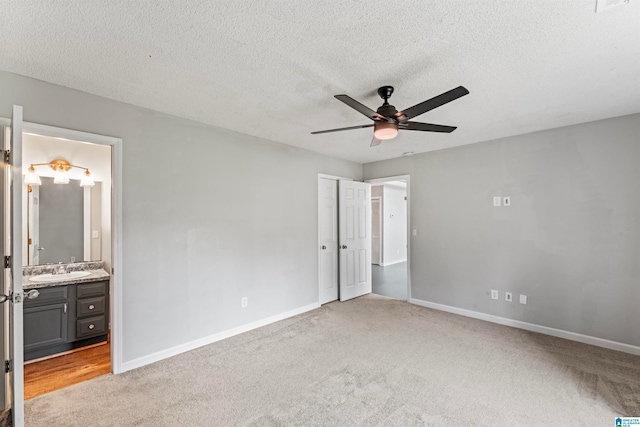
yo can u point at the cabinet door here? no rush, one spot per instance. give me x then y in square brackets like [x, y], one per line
[45, 325]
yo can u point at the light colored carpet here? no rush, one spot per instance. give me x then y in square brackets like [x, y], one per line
[372, 361]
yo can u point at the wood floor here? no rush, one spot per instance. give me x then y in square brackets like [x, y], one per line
[62, 371]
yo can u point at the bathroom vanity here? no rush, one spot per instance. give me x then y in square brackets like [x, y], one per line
[66, 306]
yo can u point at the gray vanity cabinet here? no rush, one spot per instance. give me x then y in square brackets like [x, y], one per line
[46, 322]
[65, 317]
[91, 309]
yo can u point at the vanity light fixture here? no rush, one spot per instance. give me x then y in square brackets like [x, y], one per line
[61, 169]
[32, 178]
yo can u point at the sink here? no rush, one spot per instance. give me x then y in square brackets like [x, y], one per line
[59, 277]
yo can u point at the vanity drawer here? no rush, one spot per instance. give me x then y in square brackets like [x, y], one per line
[47, 295]
[91, 326]
[91, 289]
[90, 306]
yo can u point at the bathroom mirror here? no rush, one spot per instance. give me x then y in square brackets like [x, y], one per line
[63, 222]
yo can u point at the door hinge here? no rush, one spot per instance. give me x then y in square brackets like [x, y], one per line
[7, 156]
[8, 366]
[7, 261]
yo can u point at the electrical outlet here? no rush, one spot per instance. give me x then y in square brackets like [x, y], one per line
[506, 201]
[494, 294]
[508, 297]
[523, 299]
[244, 302]
[497, 201]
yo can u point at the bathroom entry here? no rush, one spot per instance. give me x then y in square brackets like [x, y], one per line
[67, 223]
[390, 234]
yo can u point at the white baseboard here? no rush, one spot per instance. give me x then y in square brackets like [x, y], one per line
[173, 351]
[585, 339]
[386, 264]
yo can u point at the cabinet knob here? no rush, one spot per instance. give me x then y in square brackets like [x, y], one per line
[91, 326]
[32, 294]
[91, 307]
[324, 247]
[344, 246]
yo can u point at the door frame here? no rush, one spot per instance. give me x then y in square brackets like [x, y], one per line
[377, 181]
[335, 178]
[116, 220]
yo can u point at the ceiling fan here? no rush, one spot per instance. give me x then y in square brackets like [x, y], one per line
[387, 121]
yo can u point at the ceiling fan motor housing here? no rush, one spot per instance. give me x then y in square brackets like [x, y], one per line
[387, 110]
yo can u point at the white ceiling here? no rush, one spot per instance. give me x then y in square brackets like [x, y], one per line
[271, 68]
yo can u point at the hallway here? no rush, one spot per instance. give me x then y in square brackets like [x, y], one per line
[390, 281]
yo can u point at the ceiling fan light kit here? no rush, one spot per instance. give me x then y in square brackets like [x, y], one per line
[383, 131]
[387, 121]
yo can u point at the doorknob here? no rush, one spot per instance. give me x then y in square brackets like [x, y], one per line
[324, 247]
[32, 294]
[344, 246]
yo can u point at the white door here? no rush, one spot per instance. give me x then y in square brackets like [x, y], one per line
[328, 239]
[13, 381]
[354, 203]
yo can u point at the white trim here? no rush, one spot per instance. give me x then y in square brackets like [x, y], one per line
[388, 179]
[192, 345]
[74, 135]
[337, 178]
[86, 223]
[386, 264]
[117, 321]
[408, 179]
[116, 223]
[572, 336]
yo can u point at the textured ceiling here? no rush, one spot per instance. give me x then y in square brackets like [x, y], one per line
[271, 68]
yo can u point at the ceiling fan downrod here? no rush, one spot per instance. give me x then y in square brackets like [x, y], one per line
[385, 93]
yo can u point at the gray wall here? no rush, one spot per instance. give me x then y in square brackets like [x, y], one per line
[209, 216]
[570, 240]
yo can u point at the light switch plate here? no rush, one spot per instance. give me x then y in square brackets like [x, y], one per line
[494, 294]
[508, 297]
[523, 299]
[497, 201]
[506, 201]
[414, 232]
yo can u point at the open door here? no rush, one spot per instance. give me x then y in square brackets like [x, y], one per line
[354, 239]
[12, 392]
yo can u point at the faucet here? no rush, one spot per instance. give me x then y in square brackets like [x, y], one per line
[60, 269]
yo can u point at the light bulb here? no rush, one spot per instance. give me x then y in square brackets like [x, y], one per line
[87, 180]
[61, 177]
[32, 178]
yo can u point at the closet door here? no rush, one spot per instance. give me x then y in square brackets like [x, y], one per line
[354, 239]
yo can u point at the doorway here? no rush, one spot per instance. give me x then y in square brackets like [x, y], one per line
[390, 237]
[69, 224]
[107, 245]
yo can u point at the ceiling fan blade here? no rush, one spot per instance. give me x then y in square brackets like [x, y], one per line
[341, 129]
[430, 104]
[375, 141]
[427, 127]
[360, 108]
